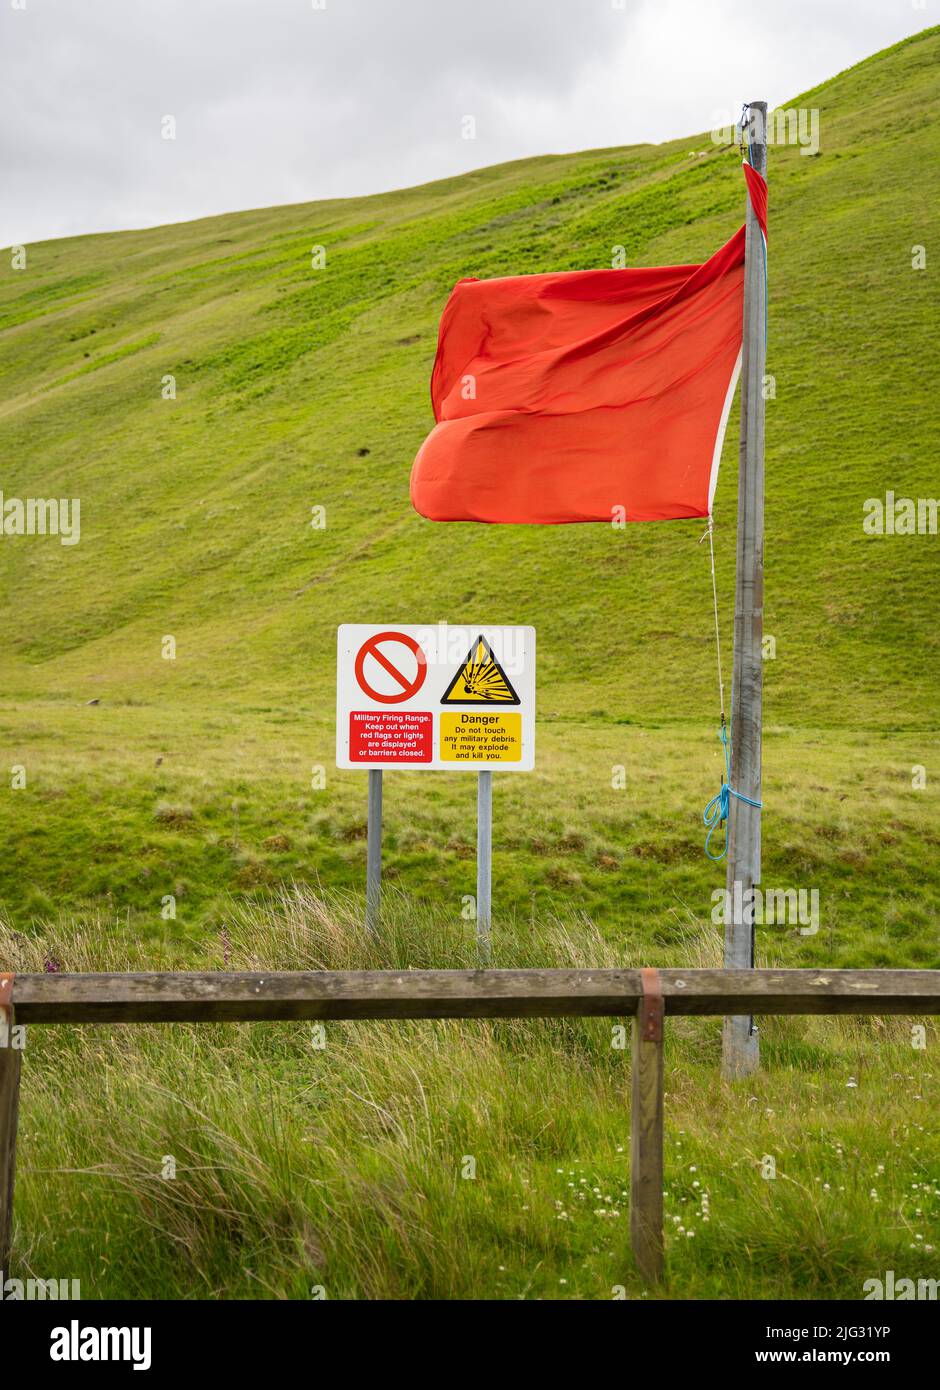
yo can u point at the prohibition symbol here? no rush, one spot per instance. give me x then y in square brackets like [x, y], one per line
[405, 667]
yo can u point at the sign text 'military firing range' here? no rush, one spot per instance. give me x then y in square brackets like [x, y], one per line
[441, 697]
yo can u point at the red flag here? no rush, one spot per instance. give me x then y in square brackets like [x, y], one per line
[587, 395]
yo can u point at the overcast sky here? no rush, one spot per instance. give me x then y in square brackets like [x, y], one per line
[280, 101]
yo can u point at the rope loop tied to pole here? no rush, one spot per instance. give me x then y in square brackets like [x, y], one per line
[717, 810]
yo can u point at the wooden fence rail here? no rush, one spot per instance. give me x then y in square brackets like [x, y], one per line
[648, 996]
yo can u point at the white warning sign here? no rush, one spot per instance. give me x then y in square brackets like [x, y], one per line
[442, 697]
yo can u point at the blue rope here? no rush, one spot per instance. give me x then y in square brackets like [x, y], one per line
[716, 812]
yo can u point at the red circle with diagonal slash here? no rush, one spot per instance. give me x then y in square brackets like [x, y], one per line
[410, 685]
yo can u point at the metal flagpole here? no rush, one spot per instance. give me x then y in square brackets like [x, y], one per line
[740, 1055]
[484, 859]
[374, 850]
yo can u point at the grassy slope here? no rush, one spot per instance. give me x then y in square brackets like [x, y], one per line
[195, 523]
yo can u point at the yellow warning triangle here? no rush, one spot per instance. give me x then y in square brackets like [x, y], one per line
[480, 680]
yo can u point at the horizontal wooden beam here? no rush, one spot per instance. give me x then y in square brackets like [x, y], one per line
[183, 997]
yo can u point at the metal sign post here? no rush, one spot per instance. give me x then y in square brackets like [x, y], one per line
[374, 850]
[484, 859]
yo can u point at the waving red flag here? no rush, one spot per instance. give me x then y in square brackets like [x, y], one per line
[585, 395]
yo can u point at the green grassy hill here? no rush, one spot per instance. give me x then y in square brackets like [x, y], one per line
[299, 387]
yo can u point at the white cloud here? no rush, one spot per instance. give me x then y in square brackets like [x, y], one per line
[276, 101]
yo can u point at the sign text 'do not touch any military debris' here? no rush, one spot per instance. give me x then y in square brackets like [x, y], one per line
[441, 697]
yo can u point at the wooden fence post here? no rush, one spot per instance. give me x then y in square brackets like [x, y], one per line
[646, 1138]
[9, 1110]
